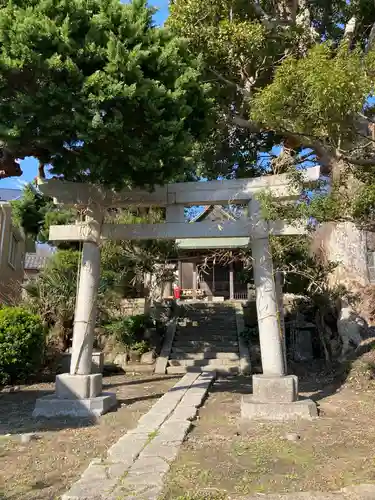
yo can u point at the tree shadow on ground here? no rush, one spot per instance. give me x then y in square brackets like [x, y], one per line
[147, 397]
[141, 381]
[16, 415]
[322, 380]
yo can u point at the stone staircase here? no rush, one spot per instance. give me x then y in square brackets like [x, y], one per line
[205, 340]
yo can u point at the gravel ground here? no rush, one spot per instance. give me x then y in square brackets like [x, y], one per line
[60, 449]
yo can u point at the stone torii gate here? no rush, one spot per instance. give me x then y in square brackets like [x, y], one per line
[79, 393]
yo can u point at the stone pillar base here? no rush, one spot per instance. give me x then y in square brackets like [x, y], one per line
[276, 398]
[254, 410]
[78, 386]
[52, 406]
[76, 396]
[273, 389]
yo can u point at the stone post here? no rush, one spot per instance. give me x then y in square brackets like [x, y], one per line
[275, 394]
[231, 281]
[79, 393]
[85, 312]
[266, 301]
[280, 306]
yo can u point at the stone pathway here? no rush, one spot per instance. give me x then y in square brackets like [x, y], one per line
[137, 463]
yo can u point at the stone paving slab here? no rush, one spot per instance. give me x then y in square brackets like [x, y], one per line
[140, 459]
[97, 482]
[145, 478]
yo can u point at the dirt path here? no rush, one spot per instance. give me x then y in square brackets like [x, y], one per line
[224, 458]
[45, 467]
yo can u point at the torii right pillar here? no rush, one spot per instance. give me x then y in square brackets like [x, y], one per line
[275, 394]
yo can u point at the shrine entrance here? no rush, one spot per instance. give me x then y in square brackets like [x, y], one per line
[80, 392]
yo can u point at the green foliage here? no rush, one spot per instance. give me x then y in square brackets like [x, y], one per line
[35, 213]
[22, 338]
[339, 204]
[29, 211]
[125, 263]
[299, 77]
[53, 292]
[140, 347]
[304, 273]
[318, 95]
[95, 89]
[129, 331]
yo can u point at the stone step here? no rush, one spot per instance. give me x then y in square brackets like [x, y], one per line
[209, 329]
[202, 362]
[206, 349]
[194, 325]
[206, 340]
[202, 333]
[205, 346]
[214, 318]
[203, 329]
[206, 335]
[205, 343]
[207, 321]
[208, 314]
[233, 356]
[221, 370]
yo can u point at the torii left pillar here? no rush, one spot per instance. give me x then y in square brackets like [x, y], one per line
[79, 393]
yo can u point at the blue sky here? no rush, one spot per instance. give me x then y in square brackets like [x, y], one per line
[30, 165]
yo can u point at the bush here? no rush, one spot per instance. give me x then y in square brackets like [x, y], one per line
[140, 347]
[129, 330]
[22, 338]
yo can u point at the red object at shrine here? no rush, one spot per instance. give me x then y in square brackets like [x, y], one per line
[177, 292]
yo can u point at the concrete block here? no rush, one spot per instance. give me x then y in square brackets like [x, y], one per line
[175, 370]
[78, 386]
[148, 358]
[138, 368]
[255, 410]
[162, 361]
[174, 431]
[127, 448]
[153, 420]
[270, 389]
[52, 406]
[149, 464]
[98, 480]
[157, 448]
[185, 412]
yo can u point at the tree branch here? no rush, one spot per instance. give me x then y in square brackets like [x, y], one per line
[350, 29]
[371, 39]
[362, 162]
[230, 83]
[264, 17]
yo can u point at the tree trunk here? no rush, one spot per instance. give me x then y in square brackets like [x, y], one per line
[344, 244]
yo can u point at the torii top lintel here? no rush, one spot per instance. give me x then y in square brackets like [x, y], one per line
[222, 192]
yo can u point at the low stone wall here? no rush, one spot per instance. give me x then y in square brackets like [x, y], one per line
[132, 307]
[250, 313]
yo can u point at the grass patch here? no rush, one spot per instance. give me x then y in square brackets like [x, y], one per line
[225, 457]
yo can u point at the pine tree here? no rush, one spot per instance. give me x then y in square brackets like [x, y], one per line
[93, 89]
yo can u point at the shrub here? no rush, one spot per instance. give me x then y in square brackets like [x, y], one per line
[140, 347]
[52, 294]
[22, 338]
[129, 330]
